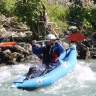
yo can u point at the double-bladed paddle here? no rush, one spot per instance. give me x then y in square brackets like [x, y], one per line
[73, 37]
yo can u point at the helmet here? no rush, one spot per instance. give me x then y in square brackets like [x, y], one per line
[50, 36]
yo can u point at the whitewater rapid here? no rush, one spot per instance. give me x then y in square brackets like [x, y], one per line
[80, 82]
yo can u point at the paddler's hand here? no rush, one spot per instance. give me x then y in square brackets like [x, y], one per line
[34, 42]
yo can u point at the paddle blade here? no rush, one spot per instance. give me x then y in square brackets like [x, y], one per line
[76, 37]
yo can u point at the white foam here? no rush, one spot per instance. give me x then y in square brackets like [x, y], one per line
[0, 84]
[8, 73]
[75, 80]
[72, 82]
[84, 72]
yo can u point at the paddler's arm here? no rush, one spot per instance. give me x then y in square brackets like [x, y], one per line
[37, 50]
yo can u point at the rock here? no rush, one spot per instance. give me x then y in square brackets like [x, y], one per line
[6, 57]
[17, 53]
[28, 47]
[11, 28]
[18, 57]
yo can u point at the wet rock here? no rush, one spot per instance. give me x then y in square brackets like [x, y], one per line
[6, 57]
[17, 57]
[17, 53]
[86, 49]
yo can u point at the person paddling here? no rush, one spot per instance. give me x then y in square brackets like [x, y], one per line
[52, 53]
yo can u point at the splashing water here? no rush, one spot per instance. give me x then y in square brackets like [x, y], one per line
[80, 82]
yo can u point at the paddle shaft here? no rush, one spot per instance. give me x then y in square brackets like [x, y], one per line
[76, 37]
[49, 40]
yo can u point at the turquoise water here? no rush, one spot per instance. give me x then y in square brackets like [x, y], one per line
[80, 82]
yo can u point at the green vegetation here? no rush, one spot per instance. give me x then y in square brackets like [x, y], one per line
[7, 7]
[29, 13]
[58, 15]
[82, 16]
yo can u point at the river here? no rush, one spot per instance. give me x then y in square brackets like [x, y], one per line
[80, 82]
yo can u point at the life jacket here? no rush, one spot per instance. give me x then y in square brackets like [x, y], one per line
[49, 55]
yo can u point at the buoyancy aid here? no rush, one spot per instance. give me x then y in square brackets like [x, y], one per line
[49, 54]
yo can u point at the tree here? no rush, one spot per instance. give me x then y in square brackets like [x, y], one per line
[28, 12]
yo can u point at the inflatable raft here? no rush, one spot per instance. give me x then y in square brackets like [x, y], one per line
[70, 59]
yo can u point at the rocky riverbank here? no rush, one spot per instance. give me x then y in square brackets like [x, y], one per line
[11, 30]
[17, 54]
[14, 31]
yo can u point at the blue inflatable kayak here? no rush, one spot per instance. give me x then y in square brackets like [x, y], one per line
[70, 60]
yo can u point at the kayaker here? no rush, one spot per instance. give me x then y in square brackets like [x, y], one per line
[52, 52]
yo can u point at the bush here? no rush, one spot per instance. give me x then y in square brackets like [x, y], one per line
[28, 12]
[82, 16]
[6, 7]
[58, 15]
[3, 7]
